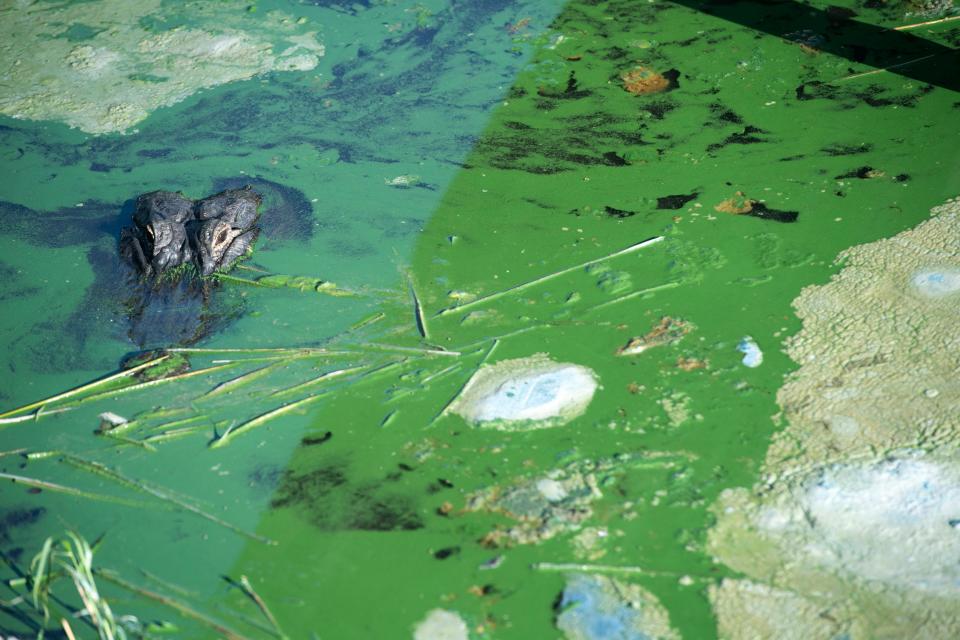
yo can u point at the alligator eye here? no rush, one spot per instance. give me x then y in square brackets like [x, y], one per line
[222, 237]
[150, 230]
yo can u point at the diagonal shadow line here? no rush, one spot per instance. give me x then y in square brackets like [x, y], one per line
[856, 41]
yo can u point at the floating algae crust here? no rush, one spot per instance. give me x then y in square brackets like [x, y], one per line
[365, 489]
[76, 63]
[860, 491]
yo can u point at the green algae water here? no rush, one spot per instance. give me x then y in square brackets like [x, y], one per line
[641, 190]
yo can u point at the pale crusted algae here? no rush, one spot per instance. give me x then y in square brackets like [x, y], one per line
[879, 358]
[112, 80]
[526, 393]
[854, 530]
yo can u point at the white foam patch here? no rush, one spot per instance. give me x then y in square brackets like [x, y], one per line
[441, 624]
[937, 283]
[527, 390]
[894, 522]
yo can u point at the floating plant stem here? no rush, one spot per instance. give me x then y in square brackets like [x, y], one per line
[153, 383]
[176, 605]
[262, 419]
[928, 23]
[84, 388]
[551, 276]
[634, 294]
[419, 320]
[33, 416]
[131, 441]
[376, 317]
[321, 378]
[157, 492]
[882, 70]
[419, 350]
[70, 491]
[466, 384]
[248, 589]
[235, 383]
[600, 568]
[171, 435]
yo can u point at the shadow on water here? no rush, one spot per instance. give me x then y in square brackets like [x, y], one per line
[900, 52]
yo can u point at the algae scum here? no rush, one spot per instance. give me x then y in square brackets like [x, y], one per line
[576, 320]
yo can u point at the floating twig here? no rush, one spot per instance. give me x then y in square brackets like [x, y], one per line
[418, 318]
[262, 419]
[419, 350]
[157, 492]
[153, 383]
[884, 69]
[70, 491]
[321, 378]
[634, 294]
[601, 568]
[376, 317]
[85, 387]
[551, 276]
[248, 590]
[176, 605]
[33, 416]
[172, 434]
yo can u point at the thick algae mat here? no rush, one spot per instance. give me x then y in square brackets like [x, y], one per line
[373, 506]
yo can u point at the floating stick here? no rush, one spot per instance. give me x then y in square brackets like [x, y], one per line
[556, 274]
[634, 294]
[230, 385]
[161, 494]
[262, 419]
[70, 491]
[86, 387]
[167, 601]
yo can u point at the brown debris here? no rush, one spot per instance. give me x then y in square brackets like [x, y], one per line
[739, 204]
[667, 331]
[691, 364]
[644, 81]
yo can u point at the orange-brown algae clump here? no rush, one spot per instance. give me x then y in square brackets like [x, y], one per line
[738, 204]
[691, 364]
[643, 81]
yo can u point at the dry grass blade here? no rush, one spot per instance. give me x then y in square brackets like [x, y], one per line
[321, 378]
[928, 23]
[249, 591]
[550, 276]
[885, 69]
[84, 388]
[176, 605]
[36, 415]
[418, 318]
[262, 419]
[157, 492]
[70, 491]
[173, 434]
[418, 350]
[634, 294]
[154, 383]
